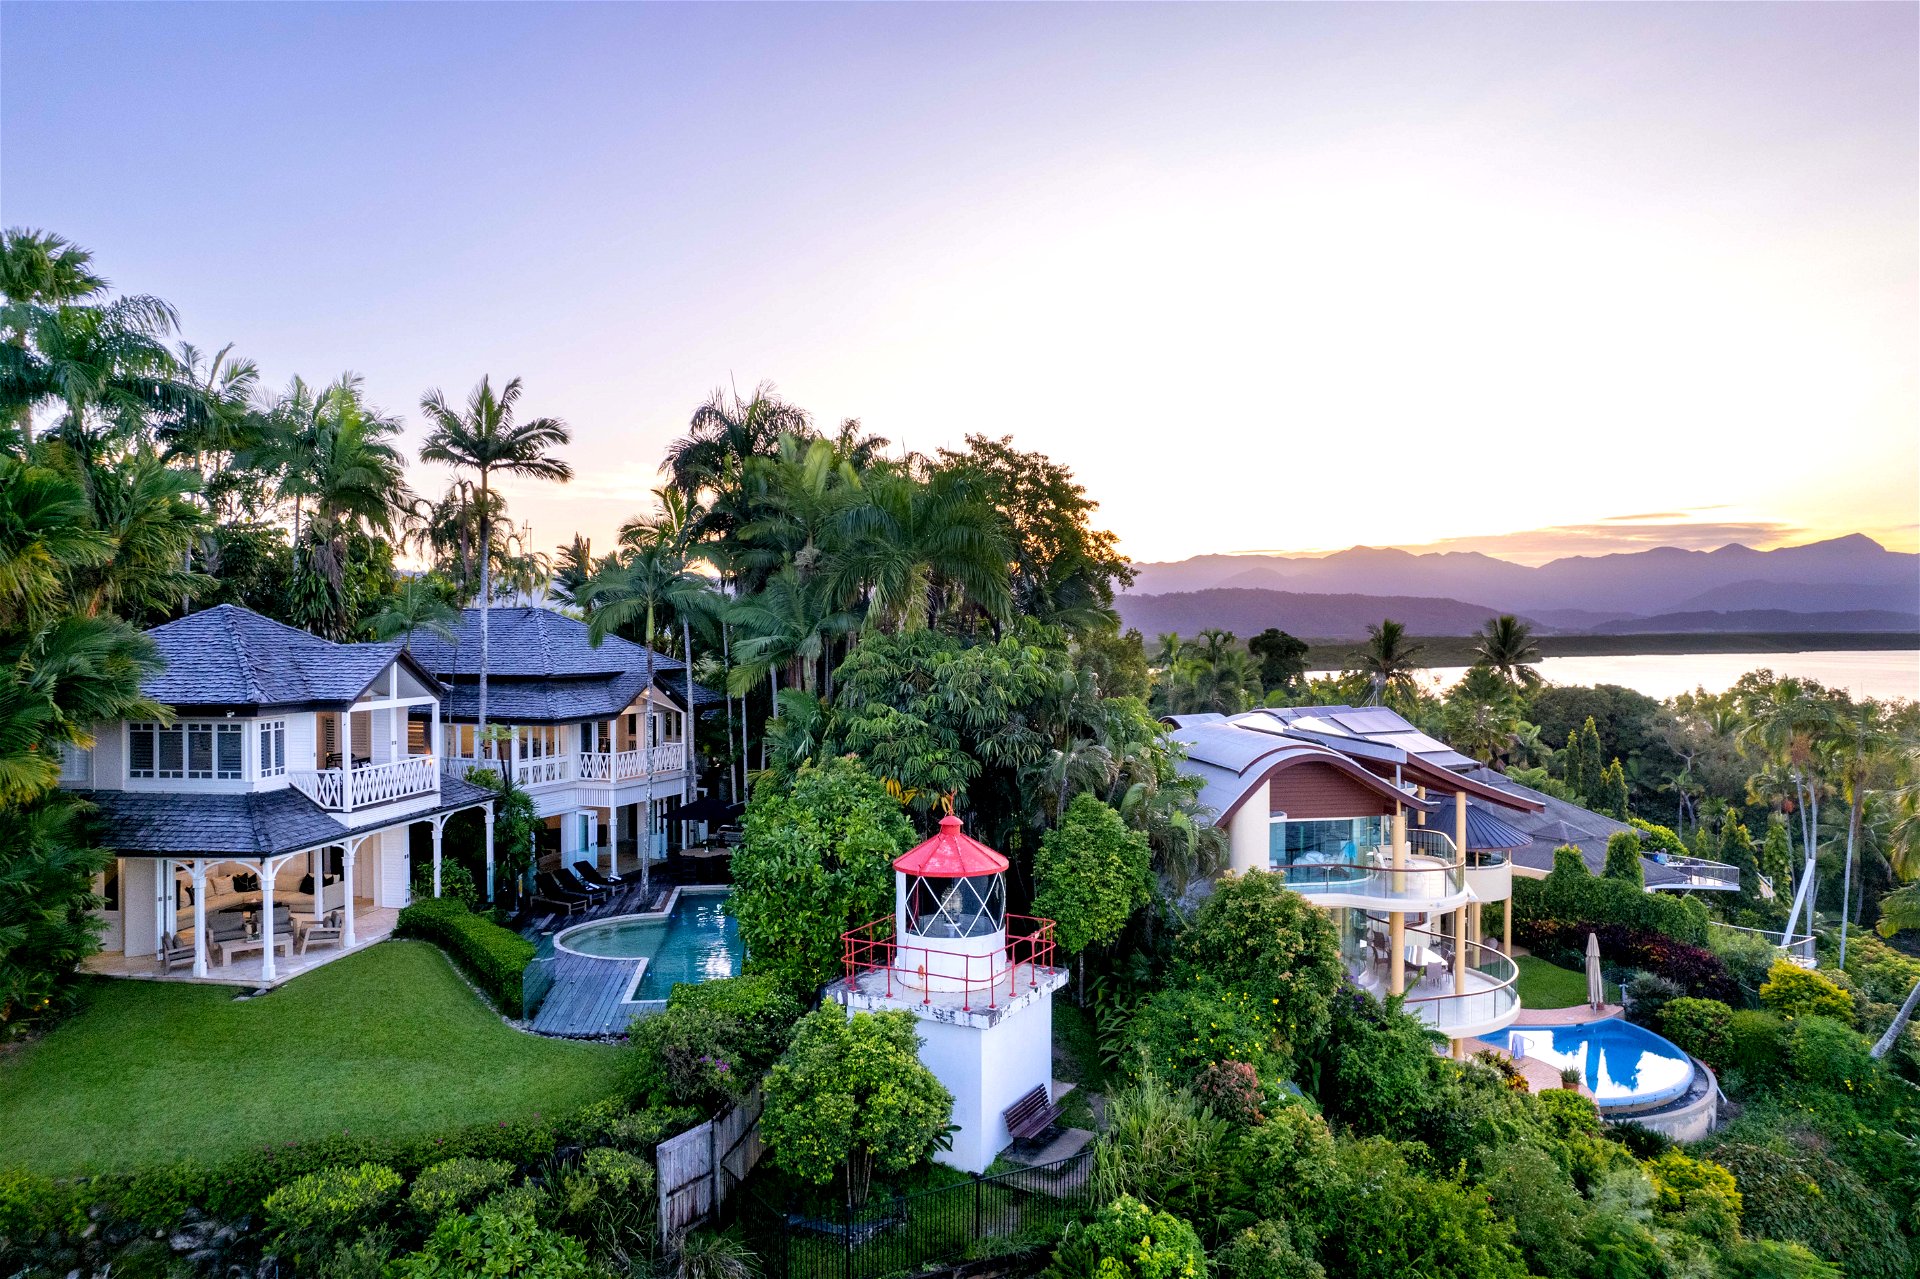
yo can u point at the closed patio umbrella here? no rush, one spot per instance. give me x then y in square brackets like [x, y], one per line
[1596, 988]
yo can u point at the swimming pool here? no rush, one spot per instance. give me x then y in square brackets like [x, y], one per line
[1624, 1066]
[697, 942]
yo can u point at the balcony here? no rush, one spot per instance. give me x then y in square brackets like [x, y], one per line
[628, 766]
[1460, 1004]
[1696, 873]
[1431, 877]
[343, 790]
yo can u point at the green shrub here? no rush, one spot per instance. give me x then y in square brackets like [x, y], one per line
[608, 1200]
[1256, 935]
[1698, 1026]
[1395, 1223]
[1771, 1259]
[1791, 1191]
[1376, 1066]
[1748, 956]
[1648, 995]
[710, 1044]
[1128, 1240]
[32, 1206]
[1828, 1055]
[456, 883]
[307, 1216]
[496, 1242]
[1290, 1171]
[158, 1197]
[493, 956]
[1182, 1030]
[1527, 1187]
[456, 1185]
[1091, 873]
[1163, 1147]
[1700, 1192]
[1793, 991]
[1570, 895]
[1265, 1251]
[1757, 1047]
[1623, 858]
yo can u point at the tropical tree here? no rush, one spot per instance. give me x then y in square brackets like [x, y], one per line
[105, 368]
[1482, 713]
[41, 268]
[710, 464]
[917, 548]
[1507, 648]
[1388, 662]
[487, 439]
[1283, 658]
[789, 625]
[417, 604]
[1860, 745]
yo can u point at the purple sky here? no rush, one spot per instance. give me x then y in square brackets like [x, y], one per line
[1521, 277]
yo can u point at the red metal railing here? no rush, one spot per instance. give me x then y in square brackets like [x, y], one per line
[873, 951]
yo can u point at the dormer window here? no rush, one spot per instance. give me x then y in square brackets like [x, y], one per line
[197, 751]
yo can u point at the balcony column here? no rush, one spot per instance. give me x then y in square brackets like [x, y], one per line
[268, 870]
[487, 812]
[1461, 928]
[348, 939]
[438, 823]
[1460, 950]
[1506, 928]
[199, 917]
[1399, 881]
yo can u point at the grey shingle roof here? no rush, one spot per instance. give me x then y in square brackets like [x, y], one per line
[249, 824]
[541, 669]
[231, 657]
[1564, 822]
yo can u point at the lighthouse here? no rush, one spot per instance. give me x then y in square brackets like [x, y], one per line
[980, 982]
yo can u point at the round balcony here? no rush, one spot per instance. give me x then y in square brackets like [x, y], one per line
[1490, 874]
[1459, 1003]
[1430, 877]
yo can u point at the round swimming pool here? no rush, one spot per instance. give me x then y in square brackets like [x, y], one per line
[1623, 1065]
[697, 942]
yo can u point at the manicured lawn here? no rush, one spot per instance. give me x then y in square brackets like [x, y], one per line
[1544, 985]
[386, 1041]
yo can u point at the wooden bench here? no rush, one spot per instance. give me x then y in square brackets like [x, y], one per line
[1032, 1115]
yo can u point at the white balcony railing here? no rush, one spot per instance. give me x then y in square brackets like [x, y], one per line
[342, 790]
[1698, 872]
[627, 766]
[543, 768]
[1431, 871]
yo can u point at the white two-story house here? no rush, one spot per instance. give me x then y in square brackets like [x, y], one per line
[265, 827]
[605, 753]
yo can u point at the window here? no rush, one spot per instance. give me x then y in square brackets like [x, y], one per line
[202, 751]
[1344, 840]
[273, 748]
[76, 764]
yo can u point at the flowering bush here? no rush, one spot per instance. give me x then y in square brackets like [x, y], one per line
[1183, 1030]
[1695, 969]
[1231, 1089]
[1257, 935]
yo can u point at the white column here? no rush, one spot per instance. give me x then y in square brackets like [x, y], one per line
[437, 822]
[199, 918]
[348, 939]
[267, 871]
[162, 926]
[487, 811]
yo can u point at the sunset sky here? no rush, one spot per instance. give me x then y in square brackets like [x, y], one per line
[1531, 279]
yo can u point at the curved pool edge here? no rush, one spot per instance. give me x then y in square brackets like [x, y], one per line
[1623, 1108]
[637, 917]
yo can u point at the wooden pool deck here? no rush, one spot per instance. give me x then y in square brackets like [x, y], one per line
[590, 998]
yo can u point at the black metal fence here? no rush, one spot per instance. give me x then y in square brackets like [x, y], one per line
[903, 1234]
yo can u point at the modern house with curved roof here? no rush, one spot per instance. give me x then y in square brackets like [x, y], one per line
[1365, 818]
[598, 735]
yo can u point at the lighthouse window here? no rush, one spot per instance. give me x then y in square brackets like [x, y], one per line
[971, 907]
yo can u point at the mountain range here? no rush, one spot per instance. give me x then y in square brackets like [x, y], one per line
[1848, 583]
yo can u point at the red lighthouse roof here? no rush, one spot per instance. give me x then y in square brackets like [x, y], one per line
[950, 855]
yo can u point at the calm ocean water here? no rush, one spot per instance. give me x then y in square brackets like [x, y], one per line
[1885, 673]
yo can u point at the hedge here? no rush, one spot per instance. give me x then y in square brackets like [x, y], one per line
[495, 957]
[1571, 895]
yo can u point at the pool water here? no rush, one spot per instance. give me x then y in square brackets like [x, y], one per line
[1622, 1064]
[698, 942]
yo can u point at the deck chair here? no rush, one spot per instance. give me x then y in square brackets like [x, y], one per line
[591, 874]
[551, 894]
[573, 883]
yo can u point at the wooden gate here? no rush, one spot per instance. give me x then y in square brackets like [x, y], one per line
[700, 1169]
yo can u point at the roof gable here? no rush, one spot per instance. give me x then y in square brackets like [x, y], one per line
[233, 657]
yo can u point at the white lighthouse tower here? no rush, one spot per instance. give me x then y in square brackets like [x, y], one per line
[980, 981]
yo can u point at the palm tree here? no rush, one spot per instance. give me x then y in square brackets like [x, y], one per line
[145, 510]
[414, 606]
[790, 623]
[1506, 647]
[1786, 722]
[41, 268]
[913, 543]
[1861, 742]
[338, 463]
[107, 366]
[1388, 661]
[487, 440]
[219, 419]
[723, 437]
[1482, 713]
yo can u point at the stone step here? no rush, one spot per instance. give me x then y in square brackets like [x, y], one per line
[1065, 1144]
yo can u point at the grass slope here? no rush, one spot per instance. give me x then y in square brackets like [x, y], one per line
[1544, 985]
[389, 1040]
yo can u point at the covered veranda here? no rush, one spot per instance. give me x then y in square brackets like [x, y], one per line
[309, 891]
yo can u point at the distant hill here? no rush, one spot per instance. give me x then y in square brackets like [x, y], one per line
[1854, 621]
[1578, 592]
[1248, 612]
